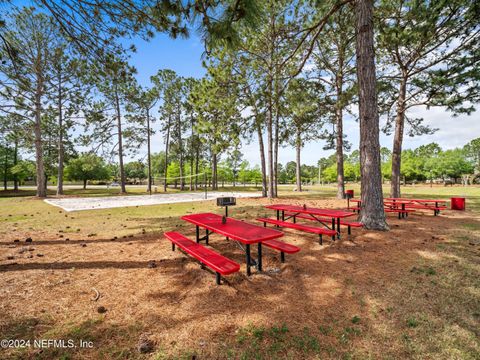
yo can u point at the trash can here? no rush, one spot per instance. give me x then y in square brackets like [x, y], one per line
[457, 203]
[348, 196]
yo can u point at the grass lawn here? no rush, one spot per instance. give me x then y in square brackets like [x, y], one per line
[412, 292]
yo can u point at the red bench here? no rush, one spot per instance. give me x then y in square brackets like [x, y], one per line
[281, 246]
[436, 209]
[399, 211]
[312, 229]
[218, 263]
[410, 206]
[347, 223]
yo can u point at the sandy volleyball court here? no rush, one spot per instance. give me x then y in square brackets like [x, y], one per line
[108, 202]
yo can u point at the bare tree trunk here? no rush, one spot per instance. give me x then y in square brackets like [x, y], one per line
[270, 138]
[5, 170]
[271, 189]
[262, 159]
[191, 174]
[84, 184]
[298, 168]
[61, 150]
[397, 140]
[277, 140]
[197, 158]
[167, 140]
[372, 213]
[214, 171]
[179, 129]
[15, 161]
[120, 142]
[191, 153]
[41, 189]
[149, 157]
[339, 138]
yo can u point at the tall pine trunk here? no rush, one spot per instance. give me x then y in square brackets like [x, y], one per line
[262, 159]
[120, 142]
[298, 167]
[191, 174]
[214, 171]
[5, 170]
[339, 137]
[191, 153]
[277, 137]
[270, 121]
[397, 140]
[167, 141]
[149, 154]
[180, 146]
[41, 189]
[270, 140]
[372, 213]
[197, 159]
[271, 193]
[15, 162]
[61, 150]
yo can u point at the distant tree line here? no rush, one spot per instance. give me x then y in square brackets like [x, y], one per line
[427, 163]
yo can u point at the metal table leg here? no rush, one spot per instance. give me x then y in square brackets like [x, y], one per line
[259, 266]
[338, 228]
[197, 233]
[247, 253]
[333, 228]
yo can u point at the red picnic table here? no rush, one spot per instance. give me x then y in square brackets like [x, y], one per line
[406, 205]
[314, 213]
[428, 204]
[241, 231]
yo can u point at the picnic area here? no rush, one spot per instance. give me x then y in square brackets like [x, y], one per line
[401, 293]
[239, 179]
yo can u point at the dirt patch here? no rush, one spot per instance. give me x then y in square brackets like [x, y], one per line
[364, 295]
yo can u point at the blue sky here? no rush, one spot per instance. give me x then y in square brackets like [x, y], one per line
[181, 55]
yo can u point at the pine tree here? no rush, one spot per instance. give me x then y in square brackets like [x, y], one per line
[429, 57]
[36, 40]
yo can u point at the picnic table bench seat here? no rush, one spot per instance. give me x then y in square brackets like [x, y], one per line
[307, 228]
[398, 210]
[281, 246]
[218, 263]
[426, 207]
[343, 222]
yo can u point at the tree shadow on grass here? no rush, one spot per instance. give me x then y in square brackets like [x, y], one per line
[163, 263]
[76, 242]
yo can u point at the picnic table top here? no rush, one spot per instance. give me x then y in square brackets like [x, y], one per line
[235, 229]
[311, 210]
